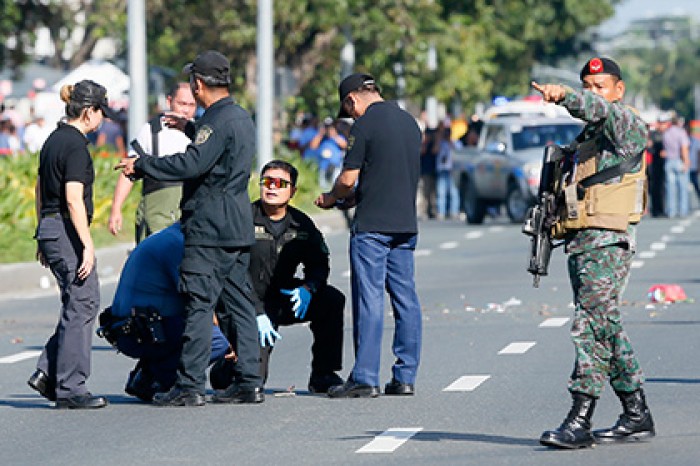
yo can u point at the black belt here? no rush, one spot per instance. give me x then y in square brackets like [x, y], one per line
[51, 215]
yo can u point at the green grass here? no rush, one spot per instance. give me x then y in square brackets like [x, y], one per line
[18, 216]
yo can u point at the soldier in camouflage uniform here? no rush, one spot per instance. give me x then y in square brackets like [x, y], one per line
[599, 264]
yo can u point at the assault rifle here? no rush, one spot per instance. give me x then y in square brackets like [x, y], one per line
[541, 217]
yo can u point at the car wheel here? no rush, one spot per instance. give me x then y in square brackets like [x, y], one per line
[516, 204]
[474, 208]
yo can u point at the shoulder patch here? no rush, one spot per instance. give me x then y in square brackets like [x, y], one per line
[351, 142]
[203, 134]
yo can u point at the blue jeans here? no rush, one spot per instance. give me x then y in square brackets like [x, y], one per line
[447, 194]
[677, 179]
[384, 261]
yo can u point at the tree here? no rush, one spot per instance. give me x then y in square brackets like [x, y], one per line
[75, 27]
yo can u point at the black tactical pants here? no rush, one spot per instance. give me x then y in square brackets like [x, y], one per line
[325, 315]
[207, 275]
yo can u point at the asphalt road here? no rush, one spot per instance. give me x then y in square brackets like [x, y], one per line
[496, 357]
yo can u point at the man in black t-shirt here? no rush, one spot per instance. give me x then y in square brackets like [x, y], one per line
[380, 175]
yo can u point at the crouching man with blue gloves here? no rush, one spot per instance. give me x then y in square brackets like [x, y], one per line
[146, 319]
[286, 238]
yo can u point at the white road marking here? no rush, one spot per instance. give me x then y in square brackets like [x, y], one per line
[495, 229]
[667, 238]
[518, 347]
[637, 264]
[686, 222]
[19, 357]
[390, 440]
[422, 252]
[657, 246]
[647, 254]
[449, 245]
[474, 234]
[554, 322]
[466, 383]
[678, 229]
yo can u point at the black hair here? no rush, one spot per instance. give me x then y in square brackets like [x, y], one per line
[175, 88]
[212, 81]
[282, 165]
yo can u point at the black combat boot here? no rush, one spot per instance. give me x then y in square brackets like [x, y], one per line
[575, 431]
[635, 422]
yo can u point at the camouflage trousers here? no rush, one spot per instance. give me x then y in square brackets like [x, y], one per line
[603, 349]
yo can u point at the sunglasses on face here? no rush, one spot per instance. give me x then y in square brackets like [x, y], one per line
[269, 181]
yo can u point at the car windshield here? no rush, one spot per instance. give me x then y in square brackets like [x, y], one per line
[541, 135]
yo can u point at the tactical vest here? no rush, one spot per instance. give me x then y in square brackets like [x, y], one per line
[586, 201]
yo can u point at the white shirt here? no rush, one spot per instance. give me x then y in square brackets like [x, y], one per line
[170, 141]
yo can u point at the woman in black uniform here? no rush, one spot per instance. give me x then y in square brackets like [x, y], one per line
[64, 209]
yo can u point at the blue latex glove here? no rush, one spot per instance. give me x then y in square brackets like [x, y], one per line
[300, 298]
[267, 333]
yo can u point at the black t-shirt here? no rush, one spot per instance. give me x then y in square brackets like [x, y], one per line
[64, 157]
[385, 146]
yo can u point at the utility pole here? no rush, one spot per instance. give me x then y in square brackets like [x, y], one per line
[266, 84]
[138, 88]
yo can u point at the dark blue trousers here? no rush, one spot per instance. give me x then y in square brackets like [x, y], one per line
[382, 261]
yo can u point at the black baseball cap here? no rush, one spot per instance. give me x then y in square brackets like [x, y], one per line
[213, 65]
[352, 83]
[600, 66]
[88, 93]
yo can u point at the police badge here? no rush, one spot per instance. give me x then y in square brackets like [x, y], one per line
[203, 135]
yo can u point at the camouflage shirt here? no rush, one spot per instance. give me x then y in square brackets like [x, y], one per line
[624, 135]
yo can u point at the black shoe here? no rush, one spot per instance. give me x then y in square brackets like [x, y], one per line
[398, 388]
[86, 401]
[178, 397]
[575, 431]
[140, 385]
[40, 382]
[321, 383]
[635, 422]
[235, 394]
[351, 389]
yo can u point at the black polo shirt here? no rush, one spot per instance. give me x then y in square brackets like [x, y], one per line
[385, 145]
[64, 157]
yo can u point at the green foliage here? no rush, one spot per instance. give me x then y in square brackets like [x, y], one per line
[667, 76]
[483, 46]
[18, 214]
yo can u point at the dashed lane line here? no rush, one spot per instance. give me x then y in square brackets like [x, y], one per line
[647, 254]
[554, 322]
[518, 347]
[474, 234]
[466, 383]
[678, 229]
[658, 246]
[19, 357]
[389, 440]
[637, 264]
[449, 245]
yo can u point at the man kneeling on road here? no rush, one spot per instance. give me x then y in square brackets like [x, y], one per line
[284, 239]
[146, 319]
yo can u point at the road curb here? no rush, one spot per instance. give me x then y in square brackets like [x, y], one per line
[26, 280]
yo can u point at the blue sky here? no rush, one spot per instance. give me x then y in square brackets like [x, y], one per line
[630, 10]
